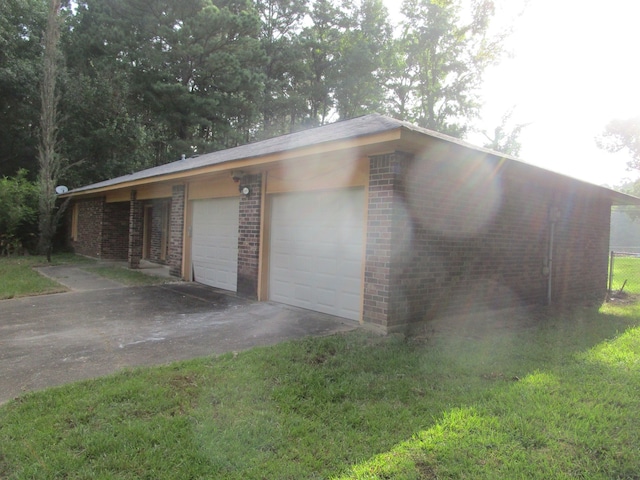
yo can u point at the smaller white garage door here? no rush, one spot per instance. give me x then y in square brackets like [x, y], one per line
[214, 242]
[316, 251]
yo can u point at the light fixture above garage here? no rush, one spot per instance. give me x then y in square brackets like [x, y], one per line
[244, 190]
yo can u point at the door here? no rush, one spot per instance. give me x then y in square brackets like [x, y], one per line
[214, 246]
[316, 251]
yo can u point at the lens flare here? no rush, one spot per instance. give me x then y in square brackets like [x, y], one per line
[456, 195]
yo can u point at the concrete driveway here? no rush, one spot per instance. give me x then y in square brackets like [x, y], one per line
[100, 327]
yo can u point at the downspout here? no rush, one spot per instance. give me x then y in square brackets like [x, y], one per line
[554, 216]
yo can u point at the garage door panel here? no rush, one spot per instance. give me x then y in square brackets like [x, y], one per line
[316, 251]
[215, 242]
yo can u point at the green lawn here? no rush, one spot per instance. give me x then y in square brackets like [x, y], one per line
[556, 400]
[127, 276]
[626, 269]
[18, 279]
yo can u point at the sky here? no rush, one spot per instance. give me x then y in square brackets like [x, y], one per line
[573, 66]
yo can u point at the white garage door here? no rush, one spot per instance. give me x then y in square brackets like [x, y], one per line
[316, 251]
[214, 242]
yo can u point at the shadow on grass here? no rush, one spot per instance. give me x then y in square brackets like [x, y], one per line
[574, 415]
[526, 397]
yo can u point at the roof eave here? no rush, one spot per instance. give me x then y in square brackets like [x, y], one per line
[377, 142]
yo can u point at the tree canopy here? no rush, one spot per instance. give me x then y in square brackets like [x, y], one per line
[620, 135]
[143, 81]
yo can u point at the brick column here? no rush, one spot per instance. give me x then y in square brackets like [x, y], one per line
[176, 233]
[136, 212]
[387, 225]
[249, 236]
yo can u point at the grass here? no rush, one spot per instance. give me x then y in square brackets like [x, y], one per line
[126, 276]
[555, 399]
[18, 279]
[626, 269]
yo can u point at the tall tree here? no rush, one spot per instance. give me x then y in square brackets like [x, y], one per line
[321, 42]
[364, 54]
[506, 137]
[281, 104]
[19, 213]
[22, 24]
[623, 134]
[49, 160]
[442, 62]
[161, 78]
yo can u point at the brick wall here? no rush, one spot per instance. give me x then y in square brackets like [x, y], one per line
[580, 257]
[155, 236]
[449, 233]
[379, 303]
[89, 239]
[115, 231]
[103, 229]
[176, 227]
[249, 237]
[136, 230]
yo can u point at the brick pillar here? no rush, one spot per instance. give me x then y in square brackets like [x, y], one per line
[387, 225]
[249, 236]
[176, 233]
[136, 212]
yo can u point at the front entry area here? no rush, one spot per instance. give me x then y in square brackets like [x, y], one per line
[316, 250]
[215, 242]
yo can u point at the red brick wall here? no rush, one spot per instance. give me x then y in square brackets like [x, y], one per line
[103, 229]
[249, 237]
[115, 231]
[451, 234]
[176, 226]
[89, 239]
[155, 247]
[135, 229]
[383, 229]
[580, 257]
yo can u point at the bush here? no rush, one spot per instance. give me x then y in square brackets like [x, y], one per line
[18, 213]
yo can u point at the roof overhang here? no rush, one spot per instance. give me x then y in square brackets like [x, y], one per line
[388, 136]
[374, 144]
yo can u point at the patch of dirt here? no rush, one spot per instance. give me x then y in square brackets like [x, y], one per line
[623, 298]
[426, 471]
[482, 324]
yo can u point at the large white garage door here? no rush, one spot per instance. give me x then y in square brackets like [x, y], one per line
[214, 242]
[316, 251]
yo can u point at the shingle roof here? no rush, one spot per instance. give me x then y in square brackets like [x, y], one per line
[344, 130]
[348, 129]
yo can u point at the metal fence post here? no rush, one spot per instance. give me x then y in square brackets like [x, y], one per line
[611, 257]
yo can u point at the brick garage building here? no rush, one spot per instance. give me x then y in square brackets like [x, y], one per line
[371, 219]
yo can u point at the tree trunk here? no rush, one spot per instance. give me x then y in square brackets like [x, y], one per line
[49, 161]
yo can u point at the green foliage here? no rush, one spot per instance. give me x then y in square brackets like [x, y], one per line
[623, 134]
[441, 62]
[159, 79]
[540, 397]
[364, 52]
[18, 213]
[145, 81]
[506, 137]
[21, 26]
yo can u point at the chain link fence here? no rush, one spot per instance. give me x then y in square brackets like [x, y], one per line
[624, 274]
